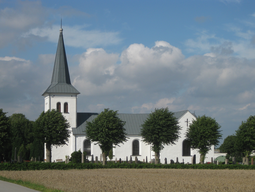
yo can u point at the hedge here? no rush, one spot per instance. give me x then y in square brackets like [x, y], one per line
[124, 165]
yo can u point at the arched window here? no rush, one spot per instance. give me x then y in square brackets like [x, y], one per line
[185, 148]
[59, 107]
[87, 147]
[65, 107]
[135, 147]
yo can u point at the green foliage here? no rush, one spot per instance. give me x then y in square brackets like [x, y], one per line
[202, 134]
[52, 128]
[5, 136]
[160, 128]
[22, 134]
[229, 146]
[71, 165]
[245, 136]
[76, 156]
[107, 129]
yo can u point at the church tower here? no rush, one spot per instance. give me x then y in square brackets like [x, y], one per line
[62, 96]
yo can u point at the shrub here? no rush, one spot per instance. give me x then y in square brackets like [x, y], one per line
[76, 156]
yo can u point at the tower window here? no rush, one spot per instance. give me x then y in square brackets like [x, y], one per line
[135, 147]
[66, 108]
[59, 107]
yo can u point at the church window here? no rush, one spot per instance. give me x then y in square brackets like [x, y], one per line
[135, 147]
[185, 148]
[59, 107]
[87, 147]
[66, 108]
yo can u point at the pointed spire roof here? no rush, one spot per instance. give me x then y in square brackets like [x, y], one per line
[60, 81]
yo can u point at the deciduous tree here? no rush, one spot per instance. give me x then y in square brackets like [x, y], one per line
[5, 135]
[202, 134]
[160, 128]
[245, 136]
[107, 129]
[53, 130]
[22, 135]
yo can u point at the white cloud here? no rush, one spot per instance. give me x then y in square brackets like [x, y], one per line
[77, 36]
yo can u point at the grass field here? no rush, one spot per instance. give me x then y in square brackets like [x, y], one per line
[139, 179]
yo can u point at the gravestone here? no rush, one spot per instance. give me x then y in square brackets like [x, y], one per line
[226, 161]
[96, 160]
[171, 161]
[32, 159]
[165, 160]
[126, 159]
[217, 162]
[243, 161]
[146, 160]
[192, 160]
[251, 161]
[177, 160]
[92, 158]
[211, 159]
[130, 161]
[136, 160]
[67, 159]
[116, 160]
[120, 160]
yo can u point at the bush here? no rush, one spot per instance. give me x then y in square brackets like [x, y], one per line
[76, 156]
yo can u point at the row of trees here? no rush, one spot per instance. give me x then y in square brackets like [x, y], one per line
[160, 128]
[242, 143]
[18, 134]
[24, 138]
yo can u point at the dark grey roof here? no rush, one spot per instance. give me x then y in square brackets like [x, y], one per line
[60, 82]
[132, 126]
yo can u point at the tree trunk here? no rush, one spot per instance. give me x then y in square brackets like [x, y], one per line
[48, 152]
[104, 158]
[202, 158]
[156, 157]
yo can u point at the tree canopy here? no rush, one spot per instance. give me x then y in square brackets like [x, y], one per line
[107, 129]
[22, 135]
[160, 128]
[5, 135]
[245, 136]
[202, 134]
[228, 145]
[52, 128]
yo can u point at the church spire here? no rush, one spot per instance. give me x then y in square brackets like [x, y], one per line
[60, 81]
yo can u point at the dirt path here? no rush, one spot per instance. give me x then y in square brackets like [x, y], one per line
[140, 179]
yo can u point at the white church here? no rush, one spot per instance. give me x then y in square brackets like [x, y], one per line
[62, 96]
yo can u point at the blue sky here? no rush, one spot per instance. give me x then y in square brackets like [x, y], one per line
[133, 56]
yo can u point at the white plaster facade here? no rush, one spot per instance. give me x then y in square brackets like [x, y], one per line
[124, 150]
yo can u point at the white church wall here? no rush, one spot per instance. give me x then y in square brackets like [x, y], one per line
[126, 149]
